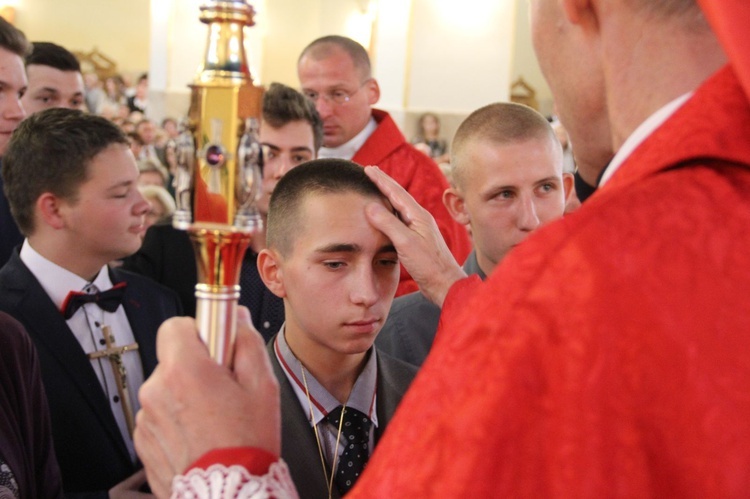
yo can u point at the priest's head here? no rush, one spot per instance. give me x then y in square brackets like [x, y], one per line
[334, 72]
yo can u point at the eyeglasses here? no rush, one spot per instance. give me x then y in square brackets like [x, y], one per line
[338, 96]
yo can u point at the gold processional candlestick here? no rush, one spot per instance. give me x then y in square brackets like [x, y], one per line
[218, 181]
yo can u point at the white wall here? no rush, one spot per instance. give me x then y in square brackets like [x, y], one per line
[118, 28]
[524, 59]
[437, 55]
[461, 56]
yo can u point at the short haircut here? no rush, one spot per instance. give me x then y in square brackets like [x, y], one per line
[499, 123]
[50, 152]
[13, 39]
[322, 48]
[319, 176]
[54, 56]
[283, 104]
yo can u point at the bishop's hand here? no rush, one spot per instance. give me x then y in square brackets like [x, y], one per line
[419, 244]
[191, 405]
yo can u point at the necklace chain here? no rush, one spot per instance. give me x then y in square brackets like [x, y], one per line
[329, 480]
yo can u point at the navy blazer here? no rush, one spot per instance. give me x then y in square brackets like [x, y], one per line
[10, 236]
[91, 452]
[298, 445]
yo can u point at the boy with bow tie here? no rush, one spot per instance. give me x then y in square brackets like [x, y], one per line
[71, 182]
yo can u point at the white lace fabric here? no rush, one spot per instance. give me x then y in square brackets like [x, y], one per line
[234, 482]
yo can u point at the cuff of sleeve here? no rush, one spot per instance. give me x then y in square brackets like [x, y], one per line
[255, 461]
[456, 299]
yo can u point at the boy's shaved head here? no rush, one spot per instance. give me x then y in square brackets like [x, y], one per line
[321, 176]
[499, 123]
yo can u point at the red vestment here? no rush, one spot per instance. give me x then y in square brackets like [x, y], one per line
[608, 354]
[420, 176]
[729, 18]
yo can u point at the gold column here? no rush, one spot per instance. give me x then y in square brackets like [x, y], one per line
[219, 172]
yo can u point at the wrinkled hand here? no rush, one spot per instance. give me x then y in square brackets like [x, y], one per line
[191, 405]
[419, 244]
[130, 487]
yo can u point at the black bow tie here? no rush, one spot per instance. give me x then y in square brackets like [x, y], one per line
[107, 300]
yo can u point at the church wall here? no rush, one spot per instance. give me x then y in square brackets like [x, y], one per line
[118, 28]
[436, 55]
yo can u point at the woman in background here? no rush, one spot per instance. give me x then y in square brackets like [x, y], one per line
[428, 138]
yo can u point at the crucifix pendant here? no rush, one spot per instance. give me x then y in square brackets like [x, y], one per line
[114, 354]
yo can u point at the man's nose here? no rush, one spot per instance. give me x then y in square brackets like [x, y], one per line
[324, 106]
[14, 110]
[528, 219]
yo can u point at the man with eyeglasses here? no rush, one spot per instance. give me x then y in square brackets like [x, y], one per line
[334, 72]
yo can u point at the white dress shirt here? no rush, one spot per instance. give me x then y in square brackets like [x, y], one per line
[348, 150]
[86, 324]
[642, 133]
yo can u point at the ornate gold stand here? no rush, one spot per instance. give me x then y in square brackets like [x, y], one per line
[218, 179]
[219, 252]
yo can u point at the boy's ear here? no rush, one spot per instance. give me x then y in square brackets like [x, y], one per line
[269, 268]
[454, 202]
[568, 185]
[50, 210]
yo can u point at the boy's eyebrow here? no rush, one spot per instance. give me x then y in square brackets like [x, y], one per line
[353, 248]
[124, 183]
[387, 248]
[274, 147]
[339, 248]
[552, 178]
[512, 187]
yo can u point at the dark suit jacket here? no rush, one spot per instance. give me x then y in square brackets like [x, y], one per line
[167, 257]
[10, 236]
[298, 445]
[88, 443]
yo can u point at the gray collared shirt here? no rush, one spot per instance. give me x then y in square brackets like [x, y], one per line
[363, 396]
